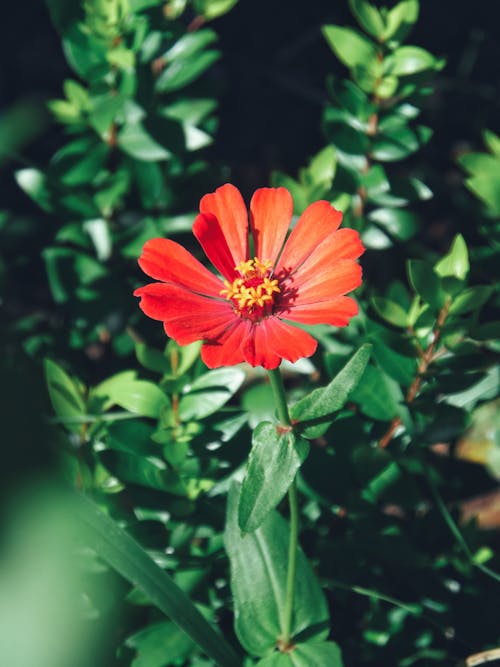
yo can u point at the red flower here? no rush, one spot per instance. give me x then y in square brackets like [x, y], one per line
[244, 318]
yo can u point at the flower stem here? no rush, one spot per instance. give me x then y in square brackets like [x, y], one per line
[292, 564]
[281, 406]
[279, 396]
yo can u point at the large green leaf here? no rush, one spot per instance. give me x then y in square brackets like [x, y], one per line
[275, 457]
[128, 558]
[313, 654]
[258, 583]
[320, 404]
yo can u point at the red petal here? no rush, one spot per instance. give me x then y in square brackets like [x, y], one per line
[329, 281]
[343, 244]
[272, 340]
[186, 316]
[227, 350]
[208, 231]
[336, 312]
[167, 260]
[317, 222]
[270, 215]
[227, 205]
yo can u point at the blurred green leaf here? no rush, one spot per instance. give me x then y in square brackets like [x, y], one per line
[412, 59]
[272, 464]
[390, 311]
[470, 299]
[180, 73]
[425, 282]
[350, 46]
[368, 17]
[377, 396]
[159, 644]
[400, 19]
[456, 262]
[129, 559]
[65, 394]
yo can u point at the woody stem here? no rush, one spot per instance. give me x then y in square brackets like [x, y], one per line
[276, 382]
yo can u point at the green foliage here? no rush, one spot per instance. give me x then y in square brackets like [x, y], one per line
[259, 584]
[393, 442]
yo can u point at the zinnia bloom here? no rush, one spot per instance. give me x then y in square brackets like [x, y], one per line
[246, 316]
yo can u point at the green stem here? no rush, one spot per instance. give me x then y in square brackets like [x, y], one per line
[276, 382]
[292, 564]
[282, 408]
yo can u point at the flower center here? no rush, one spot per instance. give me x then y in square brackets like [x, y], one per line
[253, 293]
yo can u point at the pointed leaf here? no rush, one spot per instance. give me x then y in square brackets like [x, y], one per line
[456, 262]
[130, 560]
[273, 462]
[258, 583]
[323, 402]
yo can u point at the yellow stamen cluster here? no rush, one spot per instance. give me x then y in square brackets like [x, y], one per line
[254, 290]
[253, 268]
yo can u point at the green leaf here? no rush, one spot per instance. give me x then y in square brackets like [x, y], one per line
[312, 654]
[390, 311]
[159, 642]
[138, 396]
[150, 472]
[212, 9]
[128, 558]
[492, 141]
[470, 299]
[368, 17]
[183, 71]
[190, 43]
[376, 395]
[350, 46]
[456, 262]
[34, 183]
[400, 20]
[399, 224]
[425, 282]
[134, 140]
[412, 59]
[272, 465]
[152, 359]
[322, 403]
[65, 394]
[258, 583]
[209, 392]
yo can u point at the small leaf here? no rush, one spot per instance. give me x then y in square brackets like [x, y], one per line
[274, 460]
[190, 43]
[376, 395]
[210, 392]
[425, 282]
[456, 262]
[65, 394]
[470, 299]
[258, 583]
[323, 402]
[350, 46]
[368, 17]
[138, 396]
[400, 20]
[134, 140]
[412, 59]
[390, 311]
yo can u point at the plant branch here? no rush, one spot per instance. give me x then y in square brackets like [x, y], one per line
[426, 359]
